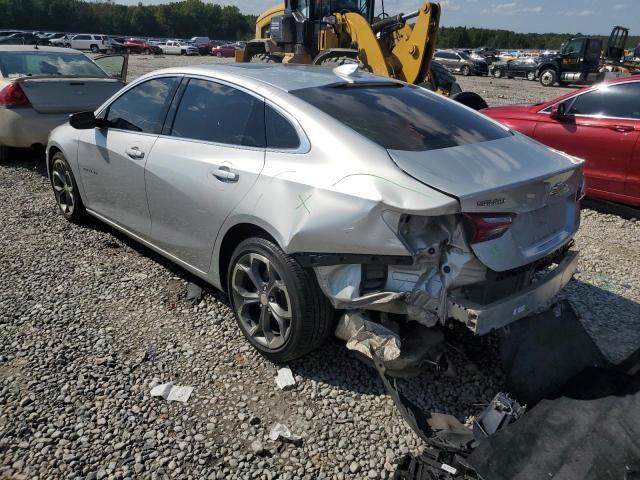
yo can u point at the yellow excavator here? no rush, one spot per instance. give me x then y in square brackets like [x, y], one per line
[337, 32]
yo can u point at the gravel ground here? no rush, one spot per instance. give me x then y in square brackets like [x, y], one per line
[90, 321]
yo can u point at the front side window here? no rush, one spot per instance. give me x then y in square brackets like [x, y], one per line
[142, 108]
[620, 101]
[402, 117]
[218, 113]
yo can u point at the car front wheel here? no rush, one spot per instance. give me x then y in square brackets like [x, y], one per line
[277, 304]
[65, 190]
[466, 71]
[548, 78]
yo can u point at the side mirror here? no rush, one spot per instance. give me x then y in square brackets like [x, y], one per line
[558, 110]
[83, 121]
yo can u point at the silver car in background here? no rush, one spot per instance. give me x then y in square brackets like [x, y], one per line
[301, 191]
[41, 86]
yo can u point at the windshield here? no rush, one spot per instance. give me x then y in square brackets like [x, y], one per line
[464, 55]
[402, 117]
[21, 64]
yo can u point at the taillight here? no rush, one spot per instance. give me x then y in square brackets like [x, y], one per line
[12, 96]
[487, 226]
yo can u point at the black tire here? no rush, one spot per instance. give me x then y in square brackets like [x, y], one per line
[183, 52]
[94, 49]
[548, 77]
[219, 54]
[312, 318]
[78, 213]
[333, 62]
[264, 58]
[465, 70]
[146, 51]
[471, 100]
[497, 73]
[4, 153]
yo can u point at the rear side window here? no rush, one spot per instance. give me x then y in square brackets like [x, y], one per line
[620, 101]
[142, 109]
[218, 113]
[280, 133]
[402, 117]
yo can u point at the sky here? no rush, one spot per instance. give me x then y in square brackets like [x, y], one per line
[561, 16]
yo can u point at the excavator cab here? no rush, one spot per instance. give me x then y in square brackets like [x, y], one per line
[336, 32]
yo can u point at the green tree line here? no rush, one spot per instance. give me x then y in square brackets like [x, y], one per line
[186, 18]
[463, 37]
[182, 19]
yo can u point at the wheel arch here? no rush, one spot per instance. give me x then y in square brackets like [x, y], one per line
[230, 240]
[546, 66]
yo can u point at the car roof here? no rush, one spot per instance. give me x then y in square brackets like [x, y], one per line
[286, 77]
[32, 48]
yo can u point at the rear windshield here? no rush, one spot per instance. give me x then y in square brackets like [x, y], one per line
[399, 117]
[21, 64]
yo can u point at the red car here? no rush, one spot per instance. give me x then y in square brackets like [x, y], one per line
[137, 45]
[600, 124]
[223, 51]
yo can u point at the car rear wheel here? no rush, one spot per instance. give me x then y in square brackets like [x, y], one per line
[95, 49]
[277, 304]
[146, 51]
[66, 191]
[497, 73]
[531, 76]
[219, 55]
[466, 71]
[548, 77]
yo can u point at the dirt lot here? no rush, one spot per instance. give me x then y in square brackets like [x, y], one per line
[89, 321]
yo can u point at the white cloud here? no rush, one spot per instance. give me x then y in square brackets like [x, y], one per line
[510, 8]
[586, 13]
[620, 6]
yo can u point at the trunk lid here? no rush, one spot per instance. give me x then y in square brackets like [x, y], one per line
[510, 175]
[67, 94]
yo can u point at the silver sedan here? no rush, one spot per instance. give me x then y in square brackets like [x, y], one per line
[303, 192]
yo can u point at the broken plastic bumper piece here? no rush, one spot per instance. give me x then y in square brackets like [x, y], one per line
[481, 319]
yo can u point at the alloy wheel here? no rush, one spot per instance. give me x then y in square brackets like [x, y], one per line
[261, 300]
[63, 188]
[547, 78]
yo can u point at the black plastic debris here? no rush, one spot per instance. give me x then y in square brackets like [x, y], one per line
[589, 430]
[501, 412]
[434, 464]
[541, 353]
[438, 430]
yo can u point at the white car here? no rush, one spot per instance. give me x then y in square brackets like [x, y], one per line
[95, 43]
[173, 47]
[61, 41]
[40, 88]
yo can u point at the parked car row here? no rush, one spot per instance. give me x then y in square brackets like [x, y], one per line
[461, 62]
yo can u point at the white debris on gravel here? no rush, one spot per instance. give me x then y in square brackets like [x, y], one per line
[71, 295]
[281, 432]
[284, 379]
[171, 392]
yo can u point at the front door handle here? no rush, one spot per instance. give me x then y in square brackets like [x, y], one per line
[225, 175]
[622, 128]
[135, 153]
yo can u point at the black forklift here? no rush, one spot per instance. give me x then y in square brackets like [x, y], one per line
[582, 60]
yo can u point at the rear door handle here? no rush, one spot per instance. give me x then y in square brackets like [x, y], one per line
[225, 175]
[135, 153]
[622, 128]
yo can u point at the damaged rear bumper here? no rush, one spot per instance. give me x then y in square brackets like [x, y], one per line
[481, 319]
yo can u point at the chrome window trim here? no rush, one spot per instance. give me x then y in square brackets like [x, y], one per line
[547, 110]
